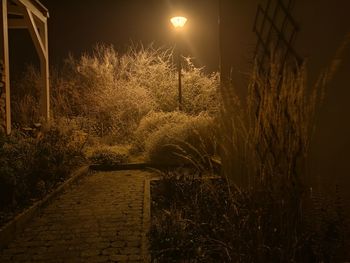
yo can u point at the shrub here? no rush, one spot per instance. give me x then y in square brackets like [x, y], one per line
[91, 87]
[25, 97]
[154, 121]
[115, 91]
[58, 148]
[32, 165]
[152, 69]
[16, 158]
[200, 91]
[108, 155]
[179, 138]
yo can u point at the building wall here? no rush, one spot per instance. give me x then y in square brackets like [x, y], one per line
[324, 24]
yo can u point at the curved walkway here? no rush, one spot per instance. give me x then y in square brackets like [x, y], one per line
[102, 219]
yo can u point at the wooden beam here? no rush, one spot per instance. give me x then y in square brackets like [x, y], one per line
[19, 23]
[41, 29]
[33, 30]
[6, 65]
[37, 27]
[33, 9]
[45, 88]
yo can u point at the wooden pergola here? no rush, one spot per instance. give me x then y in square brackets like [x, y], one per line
[31, 15]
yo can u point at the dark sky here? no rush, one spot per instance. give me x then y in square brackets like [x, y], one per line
[77, 25]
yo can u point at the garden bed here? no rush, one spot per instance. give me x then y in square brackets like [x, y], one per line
[198, 219]
[182, 218]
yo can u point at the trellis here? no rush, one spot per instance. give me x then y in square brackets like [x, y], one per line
[276, 31]
[31, 15]
[277, 138]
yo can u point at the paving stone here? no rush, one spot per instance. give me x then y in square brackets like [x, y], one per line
[98, 220]
[119, 258]
[135, 257]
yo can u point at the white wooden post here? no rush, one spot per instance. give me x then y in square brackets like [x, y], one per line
[44, 66]
[37, 26]
[6, 65]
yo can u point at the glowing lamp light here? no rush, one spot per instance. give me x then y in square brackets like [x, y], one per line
[178, 21]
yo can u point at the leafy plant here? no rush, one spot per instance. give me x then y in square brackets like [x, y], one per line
[32, 165]
[107, 156]
[177, 138]
[115, 91]
[153, 122]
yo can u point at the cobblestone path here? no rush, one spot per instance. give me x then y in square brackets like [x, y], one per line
[98, 220]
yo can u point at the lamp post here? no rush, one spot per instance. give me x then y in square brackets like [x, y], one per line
[178, 23]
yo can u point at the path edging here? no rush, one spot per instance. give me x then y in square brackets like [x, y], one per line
[144, 165]
[128, 166]
[16, 226]
[141, 166]
[146, 221]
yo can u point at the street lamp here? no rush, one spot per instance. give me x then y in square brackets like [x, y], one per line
[178, 23]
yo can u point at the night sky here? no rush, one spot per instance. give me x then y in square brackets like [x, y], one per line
[76, 26]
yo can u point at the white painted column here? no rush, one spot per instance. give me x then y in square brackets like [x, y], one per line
[6, 64]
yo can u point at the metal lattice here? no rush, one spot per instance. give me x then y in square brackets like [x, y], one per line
[276, 30]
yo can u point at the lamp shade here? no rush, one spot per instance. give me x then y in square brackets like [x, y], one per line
[178, 21]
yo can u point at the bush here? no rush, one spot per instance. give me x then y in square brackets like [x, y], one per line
[154, 121]
[177, 138]
[58, 148]
[25, 97]
[32, 165]
[93, 87]
[16, 158]
[108, 155]
[116, 91]
[200, 91]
